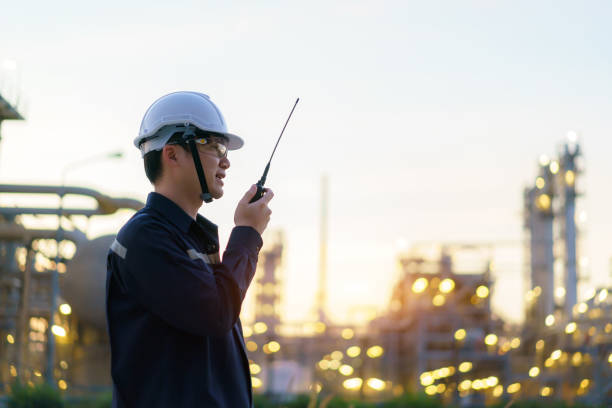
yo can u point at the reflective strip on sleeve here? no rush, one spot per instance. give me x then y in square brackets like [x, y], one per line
[209, 259]
[119, 249]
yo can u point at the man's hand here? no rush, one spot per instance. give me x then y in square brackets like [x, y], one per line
[257, 214]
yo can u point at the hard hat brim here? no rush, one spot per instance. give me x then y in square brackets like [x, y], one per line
[234, 142]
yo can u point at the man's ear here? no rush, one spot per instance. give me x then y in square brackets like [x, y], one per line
[169, 154]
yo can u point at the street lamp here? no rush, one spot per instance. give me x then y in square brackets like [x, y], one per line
[54, 273]
[89, 160]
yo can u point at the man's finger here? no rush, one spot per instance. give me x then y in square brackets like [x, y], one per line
[249, 194]
[268, 196]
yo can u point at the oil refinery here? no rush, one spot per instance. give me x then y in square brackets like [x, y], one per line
[438, 334]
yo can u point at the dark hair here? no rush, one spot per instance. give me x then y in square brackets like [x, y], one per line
[152, 160]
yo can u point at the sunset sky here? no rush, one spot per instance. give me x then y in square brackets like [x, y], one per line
[427, 117]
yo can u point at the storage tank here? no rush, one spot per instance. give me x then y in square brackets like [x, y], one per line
[84, 283]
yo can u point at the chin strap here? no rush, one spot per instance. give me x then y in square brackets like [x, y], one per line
[189, 135]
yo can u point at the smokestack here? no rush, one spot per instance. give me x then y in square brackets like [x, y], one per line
[322, 293]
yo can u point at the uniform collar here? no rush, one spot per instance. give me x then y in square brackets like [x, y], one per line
[176, 215]
[207, 226]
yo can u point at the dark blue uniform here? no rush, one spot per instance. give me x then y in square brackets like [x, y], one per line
[173, 310]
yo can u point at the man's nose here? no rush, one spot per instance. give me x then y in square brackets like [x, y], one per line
[224, 163]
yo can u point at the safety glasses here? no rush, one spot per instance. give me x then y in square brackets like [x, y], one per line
[214, 145]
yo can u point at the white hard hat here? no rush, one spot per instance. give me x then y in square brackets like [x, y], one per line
[181, 109]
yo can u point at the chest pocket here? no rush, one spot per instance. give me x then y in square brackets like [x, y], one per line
[209, 259]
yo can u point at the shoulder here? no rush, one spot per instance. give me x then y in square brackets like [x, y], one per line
[144, 229]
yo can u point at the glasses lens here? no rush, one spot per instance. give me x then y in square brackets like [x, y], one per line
[219, 148]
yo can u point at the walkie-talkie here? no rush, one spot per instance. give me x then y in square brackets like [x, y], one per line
[262, 180]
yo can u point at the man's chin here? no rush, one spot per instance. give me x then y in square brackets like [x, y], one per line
[217, 194]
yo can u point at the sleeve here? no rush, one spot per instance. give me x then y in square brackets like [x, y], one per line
[186, 294]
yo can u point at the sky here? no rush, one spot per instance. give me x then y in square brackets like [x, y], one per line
[428, 119]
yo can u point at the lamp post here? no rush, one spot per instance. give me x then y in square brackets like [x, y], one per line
[54, 273]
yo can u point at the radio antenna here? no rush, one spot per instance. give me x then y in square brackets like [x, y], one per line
[262, 180]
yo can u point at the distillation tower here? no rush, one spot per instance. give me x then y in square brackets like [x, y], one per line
[567, 343]
[268, 289]
[551, 236]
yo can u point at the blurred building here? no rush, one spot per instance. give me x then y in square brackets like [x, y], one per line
[52, 317]
[10, 284]
[439, 333]
[52, 324]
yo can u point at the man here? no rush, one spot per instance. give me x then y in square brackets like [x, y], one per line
[172, 306]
